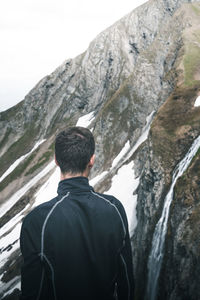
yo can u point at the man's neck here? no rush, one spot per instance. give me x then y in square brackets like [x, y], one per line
[70, 175]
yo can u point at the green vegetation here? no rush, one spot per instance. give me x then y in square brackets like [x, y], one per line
[42, 160]
[196, 9]
[20, 169]
[172, 127]
[5, 138]
[52, 146]
[191, 58]
[191, 64]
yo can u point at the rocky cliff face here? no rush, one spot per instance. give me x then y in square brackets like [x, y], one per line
[139, 79]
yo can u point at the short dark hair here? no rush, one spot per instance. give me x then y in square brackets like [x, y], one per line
[74, 147]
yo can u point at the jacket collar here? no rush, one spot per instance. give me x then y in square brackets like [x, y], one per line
[74, 184]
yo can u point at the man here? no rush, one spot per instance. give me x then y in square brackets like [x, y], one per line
[76, 246]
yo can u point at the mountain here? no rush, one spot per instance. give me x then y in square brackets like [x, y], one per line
[137, 88]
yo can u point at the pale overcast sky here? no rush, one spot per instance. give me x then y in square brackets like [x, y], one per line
[38, 35]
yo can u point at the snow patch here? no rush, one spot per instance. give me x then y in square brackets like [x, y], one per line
[12, 285]
[9, 244]
[19, 160]
[197, 102]
[123, 186]
[117, 159]
[144, 136]
[121, 154]
[86, 120]
[49, 190]
[12, 222]
[10, 202]
[96, 179]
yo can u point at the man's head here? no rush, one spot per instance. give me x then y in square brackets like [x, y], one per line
[74, 150]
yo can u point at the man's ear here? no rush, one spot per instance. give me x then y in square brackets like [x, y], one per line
[91, 162]
[56, 161]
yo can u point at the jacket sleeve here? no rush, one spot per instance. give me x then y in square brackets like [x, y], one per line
[125, 281]
[33, 281]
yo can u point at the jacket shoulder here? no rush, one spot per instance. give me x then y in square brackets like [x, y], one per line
[39, 212]
[117, 204]
[113, 201]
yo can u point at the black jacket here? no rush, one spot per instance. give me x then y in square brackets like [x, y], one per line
[77, 247]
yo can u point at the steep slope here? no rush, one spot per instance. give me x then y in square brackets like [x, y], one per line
[136, 86]
[173, 130]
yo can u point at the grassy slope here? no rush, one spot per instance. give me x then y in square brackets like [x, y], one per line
[177, 121]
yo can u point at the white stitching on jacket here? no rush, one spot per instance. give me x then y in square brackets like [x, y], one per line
[124, 228]
[42, 240]
[45, 221]
[52, 271]
[123, 240]
[123, 260]
[41, 283]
